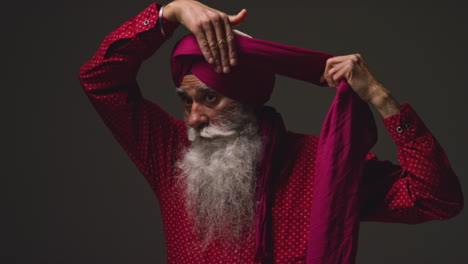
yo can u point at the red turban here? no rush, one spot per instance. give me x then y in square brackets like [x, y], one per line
[347, 135]
[252, 80]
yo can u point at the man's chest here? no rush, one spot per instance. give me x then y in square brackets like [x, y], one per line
[289, 216]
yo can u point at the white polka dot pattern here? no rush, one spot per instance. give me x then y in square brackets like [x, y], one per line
[423, 188]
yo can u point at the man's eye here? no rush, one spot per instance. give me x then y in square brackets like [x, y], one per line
[210, 97]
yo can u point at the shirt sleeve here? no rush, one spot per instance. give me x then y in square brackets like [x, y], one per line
[145, 131]
[422, 188]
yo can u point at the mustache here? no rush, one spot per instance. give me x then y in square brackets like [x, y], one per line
[213, 131]
[227, 124]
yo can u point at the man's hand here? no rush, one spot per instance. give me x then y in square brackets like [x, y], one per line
[212, 29]
[354, 70]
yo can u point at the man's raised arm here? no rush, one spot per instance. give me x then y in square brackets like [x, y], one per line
[146, 132]
[423, 187]
[109, 81]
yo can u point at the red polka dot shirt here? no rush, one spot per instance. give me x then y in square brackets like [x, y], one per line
[422, 188]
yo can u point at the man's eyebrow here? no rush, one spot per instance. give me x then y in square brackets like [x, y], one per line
[181, 91]
[204, 88]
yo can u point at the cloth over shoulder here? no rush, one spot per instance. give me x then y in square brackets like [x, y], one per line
[347, 135]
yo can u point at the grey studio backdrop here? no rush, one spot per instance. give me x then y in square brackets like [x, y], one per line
[73, 196]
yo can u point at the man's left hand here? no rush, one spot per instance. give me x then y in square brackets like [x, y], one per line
[354, 70]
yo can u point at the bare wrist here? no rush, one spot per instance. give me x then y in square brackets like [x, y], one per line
[383, 101]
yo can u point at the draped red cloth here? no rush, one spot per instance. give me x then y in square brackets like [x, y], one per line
[347, 135]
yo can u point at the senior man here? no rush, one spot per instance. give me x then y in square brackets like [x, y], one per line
[235, 186]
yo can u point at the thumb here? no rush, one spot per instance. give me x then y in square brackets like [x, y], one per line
[239, 18]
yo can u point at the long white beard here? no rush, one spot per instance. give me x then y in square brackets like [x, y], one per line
[219, 176]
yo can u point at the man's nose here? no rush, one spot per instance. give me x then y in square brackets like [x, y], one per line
[197, 116]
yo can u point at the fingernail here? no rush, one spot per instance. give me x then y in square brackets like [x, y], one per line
[226, 69]
[233, 62]
[210, 60]
[218, 69]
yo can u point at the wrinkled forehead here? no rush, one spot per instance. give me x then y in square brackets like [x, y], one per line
[191, 83]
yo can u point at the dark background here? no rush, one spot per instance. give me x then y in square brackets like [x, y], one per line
[73, 196]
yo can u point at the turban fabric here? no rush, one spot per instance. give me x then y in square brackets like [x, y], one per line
[347, 134]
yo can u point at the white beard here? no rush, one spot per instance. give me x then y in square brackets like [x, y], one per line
[219, 176]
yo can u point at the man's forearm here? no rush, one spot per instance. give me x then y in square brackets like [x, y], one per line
[383, 101]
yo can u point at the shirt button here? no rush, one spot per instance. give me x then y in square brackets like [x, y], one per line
[146, 22]
[408, 126]
[399, 130]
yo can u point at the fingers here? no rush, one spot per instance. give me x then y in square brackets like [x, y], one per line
[235, 20]
[331, 77]
[203, 43]
[338, 68]
[212, 43]
[231, 42]
[213, 31]
[219, 42]
[219, 27]
[341, 73]
[330, 64]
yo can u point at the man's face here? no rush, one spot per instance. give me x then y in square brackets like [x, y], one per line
[218, 168]
[202, 104]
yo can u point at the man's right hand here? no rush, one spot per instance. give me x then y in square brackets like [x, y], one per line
[212, 29]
